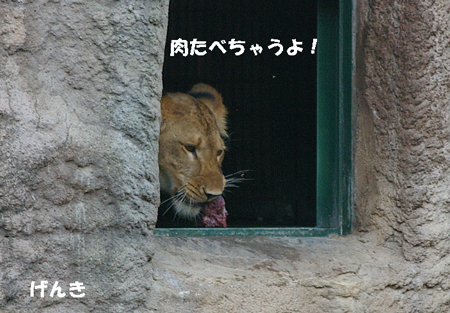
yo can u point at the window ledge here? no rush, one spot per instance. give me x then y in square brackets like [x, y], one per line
[264, 231]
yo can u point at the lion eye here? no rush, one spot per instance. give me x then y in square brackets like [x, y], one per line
[191, 149]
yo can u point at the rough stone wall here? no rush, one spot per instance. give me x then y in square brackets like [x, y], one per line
[403, 154]
[80, 83]
[403, 157]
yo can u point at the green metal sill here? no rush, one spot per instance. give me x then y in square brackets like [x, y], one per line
[263, 231]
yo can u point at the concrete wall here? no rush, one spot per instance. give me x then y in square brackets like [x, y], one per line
[79, 118]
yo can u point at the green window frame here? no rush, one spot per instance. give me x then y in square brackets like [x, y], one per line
[334, 133]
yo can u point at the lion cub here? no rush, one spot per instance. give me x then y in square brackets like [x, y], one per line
[191, 148]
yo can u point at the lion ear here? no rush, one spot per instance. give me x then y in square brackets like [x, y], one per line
[213, 100]
[163, 125]
[165, 104]
[168, 109]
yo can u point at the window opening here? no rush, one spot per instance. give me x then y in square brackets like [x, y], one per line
[273, 110]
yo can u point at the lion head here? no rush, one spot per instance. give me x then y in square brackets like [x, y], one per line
[191, 148]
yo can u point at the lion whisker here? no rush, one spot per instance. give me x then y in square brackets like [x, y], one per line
[234, 182]
[232, 186]
[237, 179]
[170, 206]
[241, 173]
[180, 200]
[169, 199]
[179, 196]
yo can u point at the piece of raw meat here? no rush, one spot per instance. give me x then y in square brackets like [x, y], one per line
[214, 213]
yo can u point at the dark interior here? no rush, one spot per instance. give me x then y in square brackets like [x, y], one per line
[271, 102]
